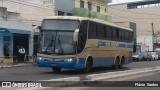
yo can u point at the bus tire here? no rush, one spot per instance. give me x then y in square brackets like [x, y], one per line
[116, 64]
[56, 69]
[120, 66]
[89, 64]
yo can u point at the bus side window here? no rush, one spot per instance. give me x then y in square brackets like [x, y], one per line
[114, 35]
[117, 34]
[127, 36]
[123, 35]
[92, 33]
[82, 36]
[120, 34]
[108, 32]
[100, 31]
[131, 36]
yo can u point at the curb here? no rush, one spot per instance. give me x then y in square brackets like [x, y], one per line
[65, 79]
[61, 82]
[113, 75]
[16, 65]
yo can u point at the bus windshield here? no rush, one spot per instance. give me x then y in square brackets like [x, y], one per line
[65, 25]
[56, 37]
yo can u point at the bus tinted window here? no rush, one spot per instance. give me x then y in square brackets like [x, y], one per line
[100, 31]
[114, 34]
[92, 33]
[131, 36]
[120, 34]
[108, 32]
[82, 36]
[117, 34]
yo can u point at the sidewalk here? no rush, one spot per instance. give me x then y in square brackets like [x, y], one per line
[26, 64]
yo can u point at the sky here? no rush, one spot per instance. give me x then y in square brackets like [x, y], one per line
[122, 1]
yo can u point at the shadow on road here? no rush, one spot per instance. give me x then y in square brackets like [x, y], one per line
[94, 71]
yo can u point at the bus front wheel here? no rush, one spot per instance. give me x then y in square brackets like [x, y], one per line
[88, 67]
[56, 69]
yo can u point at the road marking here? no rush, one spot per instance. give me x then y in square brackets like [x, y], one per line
[110, 75]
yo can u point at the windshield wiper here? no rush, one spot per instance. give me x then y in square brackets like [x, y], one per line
[50, 44]
[60, 44]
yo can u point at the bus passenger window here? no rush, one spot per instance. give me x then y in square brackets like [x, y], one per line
[100, 31]
[92, 33]
[108, 32]
[82, 36]
[123, 35]
[117, 34]
[114, 34]
[120, 34]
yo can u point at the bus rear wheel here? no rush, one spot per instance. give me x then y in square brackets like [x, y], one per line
[120, 66]
[116, 65]
[56, 69]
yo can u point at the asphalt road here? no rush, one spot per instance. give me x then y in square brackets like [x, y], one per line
[37, 74]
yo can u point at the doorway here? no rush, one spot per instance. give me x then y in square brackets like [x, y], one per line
[20, 40]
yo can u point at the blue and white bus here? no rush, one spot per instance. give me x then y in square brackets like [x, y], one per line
[83, 43]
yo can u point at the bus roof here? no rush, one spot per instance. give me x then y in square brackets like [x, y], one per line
[90, 19]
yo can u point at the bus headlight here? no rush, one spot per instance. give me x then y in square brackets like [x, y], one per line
[69, 60]
[40, 58]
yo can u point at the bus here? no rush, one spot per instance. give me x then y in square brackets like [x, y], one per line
[73, 42]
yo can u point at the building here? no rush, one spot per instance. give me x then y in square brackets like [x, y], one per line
[35, 10]
[17, 17]
[144, 13]
[32, 11]
[14, 32]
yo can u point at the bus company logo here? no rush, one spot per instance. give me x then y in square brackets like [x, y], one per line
[6, 84]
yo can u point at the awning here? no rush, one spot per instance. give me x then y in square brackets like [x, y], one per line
[4, 30]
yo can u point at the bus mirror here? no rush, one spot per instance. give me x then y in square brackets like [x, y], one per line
[75, 35]
[37, 28]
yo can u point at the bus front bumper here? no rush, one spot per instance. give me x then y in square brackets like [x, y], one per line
[69, 65]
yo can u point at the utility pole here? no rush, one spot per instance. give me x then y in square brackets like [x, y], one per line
[152, 34]
[89, 8]
[2, 3]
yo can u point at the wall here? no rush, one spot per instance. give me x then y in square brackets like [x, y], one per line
[143, 17]
[145, 41]
[64, 5]
[13, 27]
[103, 5]
[30, 10]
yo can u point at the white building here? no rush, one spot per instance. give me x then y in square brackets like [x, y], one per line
[18, 16]
[35, 10]
[143, 13]
[146, 43]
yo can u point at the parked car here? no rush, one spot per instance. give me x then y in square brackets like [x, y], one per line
[146, 56]
[137, 56]
[154, 55]
[158, 51]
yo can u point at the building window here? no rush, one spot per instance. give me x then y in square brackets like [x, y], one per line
[69, 14]
[81, 4]
[48, 2]
[98, 8]
[105, 10]
[60, 13]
